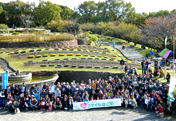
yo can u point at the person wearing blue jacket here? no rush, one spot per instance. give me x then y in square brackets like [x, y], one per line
[37, 96]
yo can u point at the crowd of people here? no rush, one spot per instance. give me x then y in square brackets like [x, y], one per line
[134, 90]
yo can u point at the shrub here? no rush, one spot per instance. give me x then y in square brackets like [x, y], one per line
[30, 56]
[113, 58]
[81, 66]
[8, 51]
[57, 59]
[99, 56]
[24, 48]
[44, 60]
[39, 50]
[89, 67]
[70, 54]
[89, 58]
[115, 67]
[74, 66]
[15, 33]
[3, 26]
[73, 58]
[30, 61]
[86, 55]
[56, 49]
[83, 58]
[38, 56]
[97, 67]
[53, 55]
[106, 57]
[96, 58]
[45, 55]
[62, 54]
[66, 65]
[65, 59]
[23, 51]
[31, 50]
[114, 55]
[64, 49]
[103, 59]
[58, 66]
[51, 65]
[92, 55]
[16, 52]
[78, 54]
[43, 65]
[1, 52]
[106, 67]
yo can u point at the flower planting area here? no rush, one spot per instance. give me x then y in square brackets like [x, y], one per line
[89, 58]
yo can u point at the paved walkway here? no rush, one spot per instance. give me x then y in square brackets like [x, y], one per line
[129, 52]
[107, 114]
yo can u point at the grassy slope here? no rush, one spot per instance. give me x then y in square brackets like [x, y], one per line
[18, 63]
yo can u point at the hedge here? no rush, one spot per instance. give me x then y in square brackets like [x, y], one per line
[113, 58]
[57, 59]
[86, 55]
[106, 67]
[99, 56]
[16, 52]
[74, 66]
[1, 52]
[42, 65]
[62, 54]
[44, 60]
[31, 56]
[70, 54]
[30, 61]
[78, 54]
[92, 55]
[89, 67]
[45, 55]
[81, 66]
[96, 58]
[23, 51]
[8, 51]
[115, 67]
[74, 58]
[90, 58]
[39, 50]
[56, 49]
[64, 49]
[106, 57]
[47, 49]
[114, 55]
[103, 59]
[51, 65]
[53, 55]
[65, 59]
[58, 66]
[83, 58]
[66, 65]
[38, 56]
[31, 50]
[97, 67]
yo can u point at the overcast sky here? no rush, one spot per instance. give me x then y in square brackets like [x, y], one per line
[140, 5]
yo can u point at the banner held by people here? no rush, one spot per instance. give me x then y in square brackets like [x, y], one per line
[96, 104]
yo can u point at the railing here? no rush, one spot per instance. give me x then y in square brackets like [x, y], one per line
[8, 65]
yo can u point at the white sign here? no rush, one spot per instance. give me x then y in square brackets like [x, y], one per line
[96, 104]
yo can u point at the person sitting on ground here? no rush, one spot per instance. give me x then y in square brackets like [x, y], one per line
[13, 107]
[57, 104]
[159, 111]
[42, 105]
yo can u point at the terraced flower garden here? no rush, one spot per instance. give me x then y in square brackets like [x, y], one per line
[89, 58]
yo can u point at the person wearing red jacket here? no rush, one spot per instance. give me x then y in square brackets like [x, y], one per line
[159, 111]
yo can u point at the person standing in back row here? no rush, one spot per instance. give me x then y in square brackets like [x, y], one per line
[151, 54]
[122, 63]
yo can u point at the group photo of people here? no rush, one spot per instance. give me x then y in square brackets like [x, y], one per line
[134, 90]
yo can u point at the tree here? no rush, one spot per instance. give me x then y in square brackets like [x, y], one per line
[45, 12]
[67, 13]
[27, 20]
[156, 29]
[87, 10]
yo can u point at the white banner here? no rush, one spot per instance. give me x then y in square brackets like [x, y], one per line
[171, 88]
[96, 104]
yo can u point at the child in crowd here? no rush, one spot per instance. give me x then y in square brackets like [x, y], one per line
[42, 105]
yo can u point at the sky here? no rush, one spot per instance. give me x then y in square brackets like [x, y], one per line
[140, 5]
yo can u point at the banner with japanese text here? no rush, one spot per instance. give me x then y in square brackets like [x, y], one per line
[96, 104]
